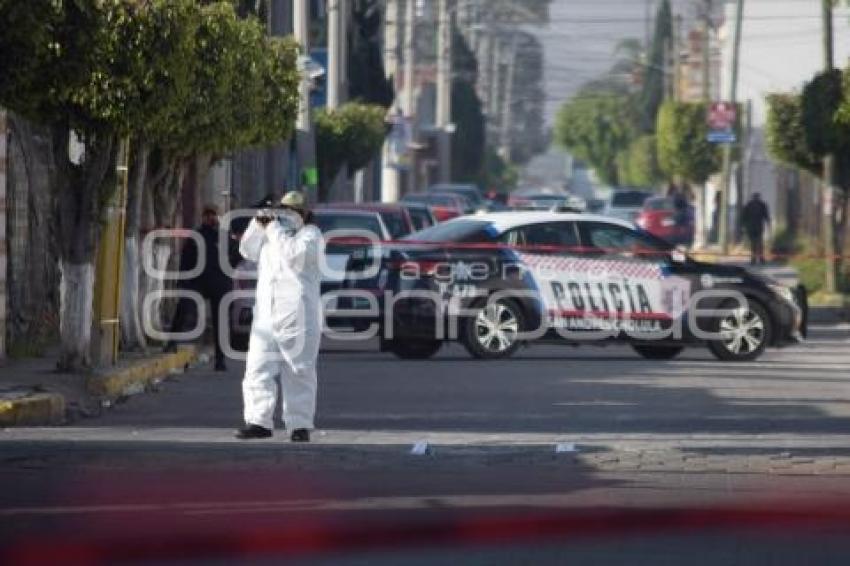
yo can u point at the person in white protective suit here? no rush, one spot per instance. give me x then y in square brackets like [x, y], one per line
[287, 324]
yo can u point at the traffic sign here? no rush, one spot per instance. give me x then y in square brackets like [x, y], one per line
[722, 137]
[721, 122]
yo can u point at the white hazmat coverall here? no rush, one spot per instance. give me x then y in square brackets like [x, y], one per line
[287, 324]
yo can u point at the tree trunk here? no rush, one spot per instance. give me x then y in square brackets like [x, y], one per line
[159, 207]
[197, 168]
[154, 286]
[75, 314]
[33, 268]
[842, 236]
[132, 333]
[81, 191]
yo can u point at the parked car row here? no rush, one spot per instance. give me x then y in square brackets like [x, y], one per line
[357, 224]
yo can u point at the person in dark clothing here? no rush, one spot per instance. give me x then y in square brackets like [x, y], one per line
[212, 283]
[754, 219]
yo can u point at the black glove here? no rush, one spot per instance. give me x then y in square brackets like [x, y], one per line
[263, 218]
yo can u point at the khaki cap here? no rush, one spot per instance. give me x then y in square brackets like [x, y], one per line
[293, 199]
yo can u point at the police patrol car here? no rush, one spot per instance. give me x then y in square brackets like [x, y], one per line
[496, 281]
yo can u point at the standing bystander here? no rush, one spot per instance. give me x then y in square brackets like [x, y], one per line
[755, 218]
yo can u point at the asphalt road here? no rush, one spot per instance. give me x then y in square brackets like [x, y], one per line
[632, 434]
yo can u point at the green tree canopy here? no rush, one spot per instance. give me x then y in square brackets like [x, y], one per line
[243, 84]
[824, 127]
[638, 164]
[786, 137]
[596, 128]
[187, 76]
[683, 147]
[470, 138]
[652, 93]
[821, 101]
[498, 174]
[350, 135]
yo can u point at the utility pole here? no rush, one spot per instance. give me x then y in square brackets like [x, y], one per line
[110, 266]
[706, 52]
[444, 89]
[828, 163]
[390, 178]
[508, 100]
[392, 21]
[3, 247]
[727, 148]
[305, 138]
[335, 39]
[337, 53]
[484, 56]
[676, 54]
[495, 87]
[667, 72]
[410, 109]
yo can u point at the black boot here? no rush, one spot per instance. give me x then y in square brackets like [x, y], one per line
[250, 432]
[220, 365]
[300, 435]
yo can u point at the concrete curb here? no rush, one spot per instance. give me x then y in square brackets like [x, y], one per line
[828, 315]
[32, 410]
[137, 377]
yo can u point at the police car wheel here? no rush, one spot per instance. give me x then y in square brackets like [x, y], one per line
[493, 332]
[745, 333]
[658, 352]
[408, 349]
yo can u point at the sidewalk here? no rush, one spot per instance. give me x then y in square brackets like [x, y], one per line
[33, 393]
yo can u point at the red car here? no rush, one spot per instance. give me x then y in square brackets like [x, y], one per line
[669, 220]
[445, 206]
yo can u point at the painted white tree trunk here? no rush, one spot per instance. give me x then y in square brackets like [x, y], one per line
[76, 293]
[132, 333]
[155, 285]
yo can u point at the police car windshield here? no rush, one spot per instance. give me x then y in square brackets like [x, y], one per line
[457, 231]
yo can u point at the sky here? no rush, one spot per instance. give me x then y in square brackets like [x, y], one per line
[782, 48]
[582, 36]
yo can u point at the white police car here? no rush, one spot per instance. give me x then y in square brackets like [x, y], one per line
[498, 280]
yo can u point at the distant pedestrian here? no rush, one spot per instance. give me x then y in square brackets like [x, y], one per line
[754, 219]
[212, 283]
[672, 191]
